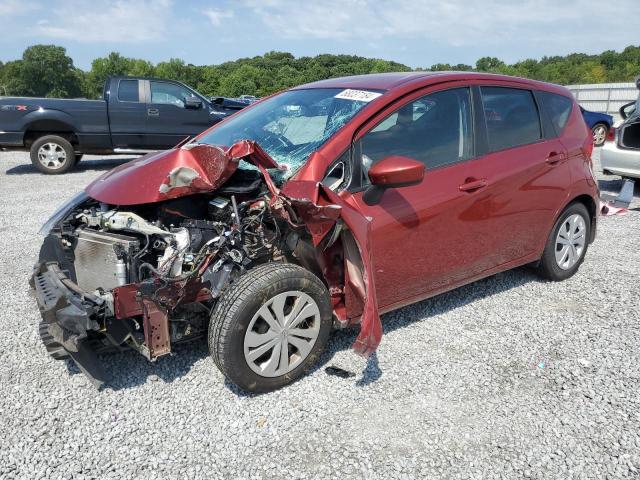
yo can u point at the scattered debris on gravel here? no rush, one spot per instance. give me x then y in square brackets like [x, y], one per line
[509, 377]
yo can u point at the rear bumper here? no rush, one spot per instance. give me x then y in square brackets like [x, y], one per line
[67, 319]
[620, 161]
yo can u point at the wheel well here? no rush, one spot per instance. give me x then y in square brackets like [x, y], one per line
[590, 204]
[40, 128]
[601, 123]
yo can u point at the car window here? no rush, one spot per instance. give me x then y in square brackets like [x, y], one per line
[128, 91]
[558, 108]
[169, 94]
[512, 117]
[291, 125]
[434, 129]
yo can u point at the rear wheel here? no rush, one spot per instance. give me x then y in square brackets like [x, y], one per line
[52, 154]
[567, 245]
[599, 132]
[270, 327]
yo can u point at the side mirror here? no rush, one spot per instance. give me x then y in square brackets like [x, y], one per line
[392, 172]
[192, 103]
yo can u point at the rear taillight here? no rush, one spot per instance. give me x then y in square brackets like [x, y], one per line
[611, 135]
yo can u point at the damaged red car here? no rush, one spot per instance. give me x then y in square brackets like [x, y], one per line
[317, 208]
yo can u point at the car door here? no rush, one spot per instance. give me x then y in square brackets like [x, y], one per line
[169, 118]
[127, 113]
[526, 174]
[423, 237]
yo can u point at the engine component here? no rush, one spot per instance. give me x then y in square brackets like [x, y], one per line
[115, 220]
[171, 262]
[202, 231]
[218, 209]
[101, 259]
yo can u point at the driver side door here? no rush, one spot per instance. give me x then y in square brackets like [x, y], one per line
[169, 121]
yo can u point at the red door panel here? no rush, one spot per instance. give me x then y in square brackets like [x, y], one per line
[428, 236]
[525, 187]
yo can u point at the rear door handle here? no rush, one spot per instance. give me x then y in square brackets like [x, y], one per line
[153, 112]
[471, 185]
[554, 158]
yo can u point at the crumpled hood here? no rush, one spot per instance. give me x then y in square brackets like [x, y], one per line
[193, 168]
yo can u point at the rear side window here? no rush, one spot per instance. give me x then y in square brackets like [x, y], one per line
[128, 91]
[512, 117]
[558, 108]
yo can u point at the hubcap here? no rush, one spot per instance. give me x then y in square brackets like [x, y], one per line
[570, 241]
[52, 155]
[281, 334]
[599, 134]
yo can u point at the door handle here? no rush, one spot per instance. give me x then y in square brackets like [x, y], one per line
[153, 112]
[472, 185]
[554, 158]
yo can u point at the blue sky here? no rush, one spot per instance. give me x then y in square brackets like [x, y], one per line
[414, 32]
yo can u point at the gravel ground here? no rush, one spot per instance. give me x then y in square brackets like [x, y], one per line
[509, 377]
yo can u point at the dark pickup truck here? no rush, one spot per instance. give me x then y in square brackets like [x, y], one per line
[136, 115]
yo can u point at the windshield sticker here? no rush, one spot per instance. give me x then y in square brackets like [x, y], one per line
[359, 95]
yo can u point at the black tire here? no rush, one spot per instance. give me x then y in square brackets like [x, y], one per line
[63, 146]
[238, 305]
[548, 267]
[595, 130]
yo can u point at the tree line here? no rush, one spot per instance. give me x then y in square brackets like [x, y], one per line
[47, 71]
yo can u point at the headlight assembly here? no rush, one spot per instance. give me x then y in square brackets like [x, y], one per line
[62, 211]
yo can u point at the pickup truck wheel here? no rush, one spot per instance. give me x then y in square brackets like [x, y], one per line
[52, 154]
[270, 327]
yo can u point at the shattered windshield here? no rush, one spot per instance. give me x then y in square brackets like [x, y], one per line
[292, 125]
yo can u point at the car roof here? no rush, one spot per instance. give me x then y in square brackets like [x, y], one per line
[392, 80]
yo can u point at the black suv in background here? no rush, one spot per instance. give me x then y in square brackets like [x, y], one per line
[135, 115]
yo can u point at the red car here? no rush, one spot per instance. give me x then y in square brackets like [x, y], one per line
[319, 207]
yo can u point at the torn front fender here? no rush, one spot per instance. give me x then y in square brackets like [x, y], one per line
[320, 208]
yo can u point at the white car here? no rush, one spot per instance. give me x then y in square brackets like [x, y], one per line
[621, 152]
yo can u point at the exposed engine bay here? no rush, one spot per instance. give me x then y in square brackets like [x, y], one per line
[164, 247]
[146, 276]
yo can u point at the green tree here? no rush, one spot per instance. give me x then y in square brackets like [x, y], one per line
[47, 70]
[489, 64]
[102, 68]
[43, 71]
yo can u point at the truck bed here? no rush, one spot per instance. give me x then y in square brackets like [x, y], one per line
[86, 116]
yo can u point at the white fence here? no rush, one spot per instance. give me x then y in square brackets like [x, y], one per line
[604, 97]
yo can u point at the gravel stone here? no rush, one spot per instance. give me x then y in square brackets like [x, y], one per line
[510, 377]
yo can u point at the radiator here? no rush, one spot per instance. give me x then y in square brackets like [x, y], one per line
[96, 262]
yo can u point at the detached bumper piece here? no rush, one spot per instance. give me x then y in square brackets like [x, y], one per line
[67, 317]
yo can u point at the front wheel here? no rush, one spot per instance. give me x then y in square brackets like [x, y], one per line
[270, 327]
[599, 132]
[567, 245]
[52, 154]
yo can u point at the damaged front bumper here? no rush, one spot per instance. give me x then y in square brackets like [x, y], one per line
[67, 319]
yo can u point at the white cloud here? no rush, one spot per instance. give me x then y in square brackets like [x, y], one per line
[119, 21]
[217, 16]
[10, 8]
[457, 23]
